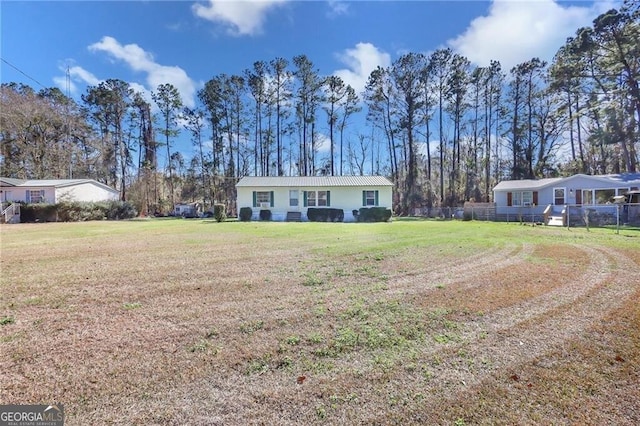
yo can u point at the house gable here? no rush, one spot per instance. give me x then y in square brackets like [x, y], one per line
[56, 190]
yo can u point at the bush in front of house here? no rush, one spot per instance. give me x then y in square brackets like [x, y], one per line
[374, 214]
[265, 214]
[116, 210]
[219, 212]
[245, 214]
[74, 211]
[39, 212]
[315, 214]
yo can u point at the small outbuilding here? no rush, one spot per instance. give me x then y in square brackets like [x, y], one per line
[187, 210]
[290, 197]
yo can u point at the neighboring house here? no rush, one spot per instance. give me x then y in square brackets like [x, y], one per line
[187, 210]
[55, 190]
[289, 197]
[532, 197]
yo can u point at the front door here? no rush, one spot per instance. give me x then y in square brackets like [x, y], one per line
[294, 200]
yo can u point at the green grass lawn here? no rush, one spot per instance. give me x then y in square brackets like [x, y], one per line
[407, 322]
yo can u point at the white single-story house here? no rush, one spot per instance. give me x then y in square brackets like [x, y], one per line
[55, 190]
[531, 197]
[289, 197]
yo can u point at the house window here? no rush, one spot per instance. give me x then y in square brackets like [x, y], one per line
[263, 199]
[604, 196]
[599, 196]
[369, 198]
[522, 199]
[35, 196]
[293, 198]
[558, 196]
[317, 198]
[322, 199]
[311, 198]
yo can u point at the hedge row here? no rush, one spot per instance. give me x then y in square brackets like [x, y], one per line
[372, 214]
[325, 214]
[76, 211]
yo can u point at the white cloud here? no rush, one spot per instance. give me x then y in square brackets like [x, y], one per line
[337, 8]
[76, 74]
[360, 61]
[142, 61]
[240, 17]
[432, 147]
[323, 143]
[516, 31]
[80, 74]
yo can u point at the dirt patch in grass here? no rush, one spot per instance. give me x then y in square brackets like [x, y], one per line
[225, 324]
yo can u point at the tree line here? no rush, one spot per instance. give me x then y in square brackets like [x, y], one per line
[442, 130]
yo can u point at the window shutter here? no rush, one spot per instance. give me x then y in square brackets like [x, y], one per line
[255, 199]
[364, 198]
[509, 199]
[578, 196]
[304, 198]
[271, 198]
[328, 198]
[535, 198]
[376, 196]
[27, 197]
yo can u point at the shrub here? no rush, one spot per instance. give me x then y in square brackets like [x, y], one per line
[325, 214]
[265, 214]
[115, 210]
[245, 214]
[374, 214]
[219, 213]
[41, 212]
[74, 211]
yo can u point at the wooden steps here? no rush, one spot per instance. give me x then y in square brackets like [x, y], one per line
[555, 221]
[294, 217]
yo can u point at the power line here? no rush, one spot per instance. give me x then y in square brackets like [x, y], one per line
[22, 72]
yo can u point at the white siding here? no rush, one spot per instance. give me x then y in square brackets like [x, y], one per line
[19, 193]
[88, 192]
[343, 197]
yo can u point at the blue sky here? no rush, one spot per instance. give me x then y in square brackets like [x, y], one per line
[185, 43]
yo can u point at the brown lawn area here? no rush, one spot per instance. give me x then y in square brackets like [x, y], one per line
[410, 322]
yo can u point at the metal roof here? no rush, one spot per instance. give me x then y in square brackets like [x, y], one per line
[11, 181]
[312, 181]
[51, 183]
[611, 179]
[525, 184]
